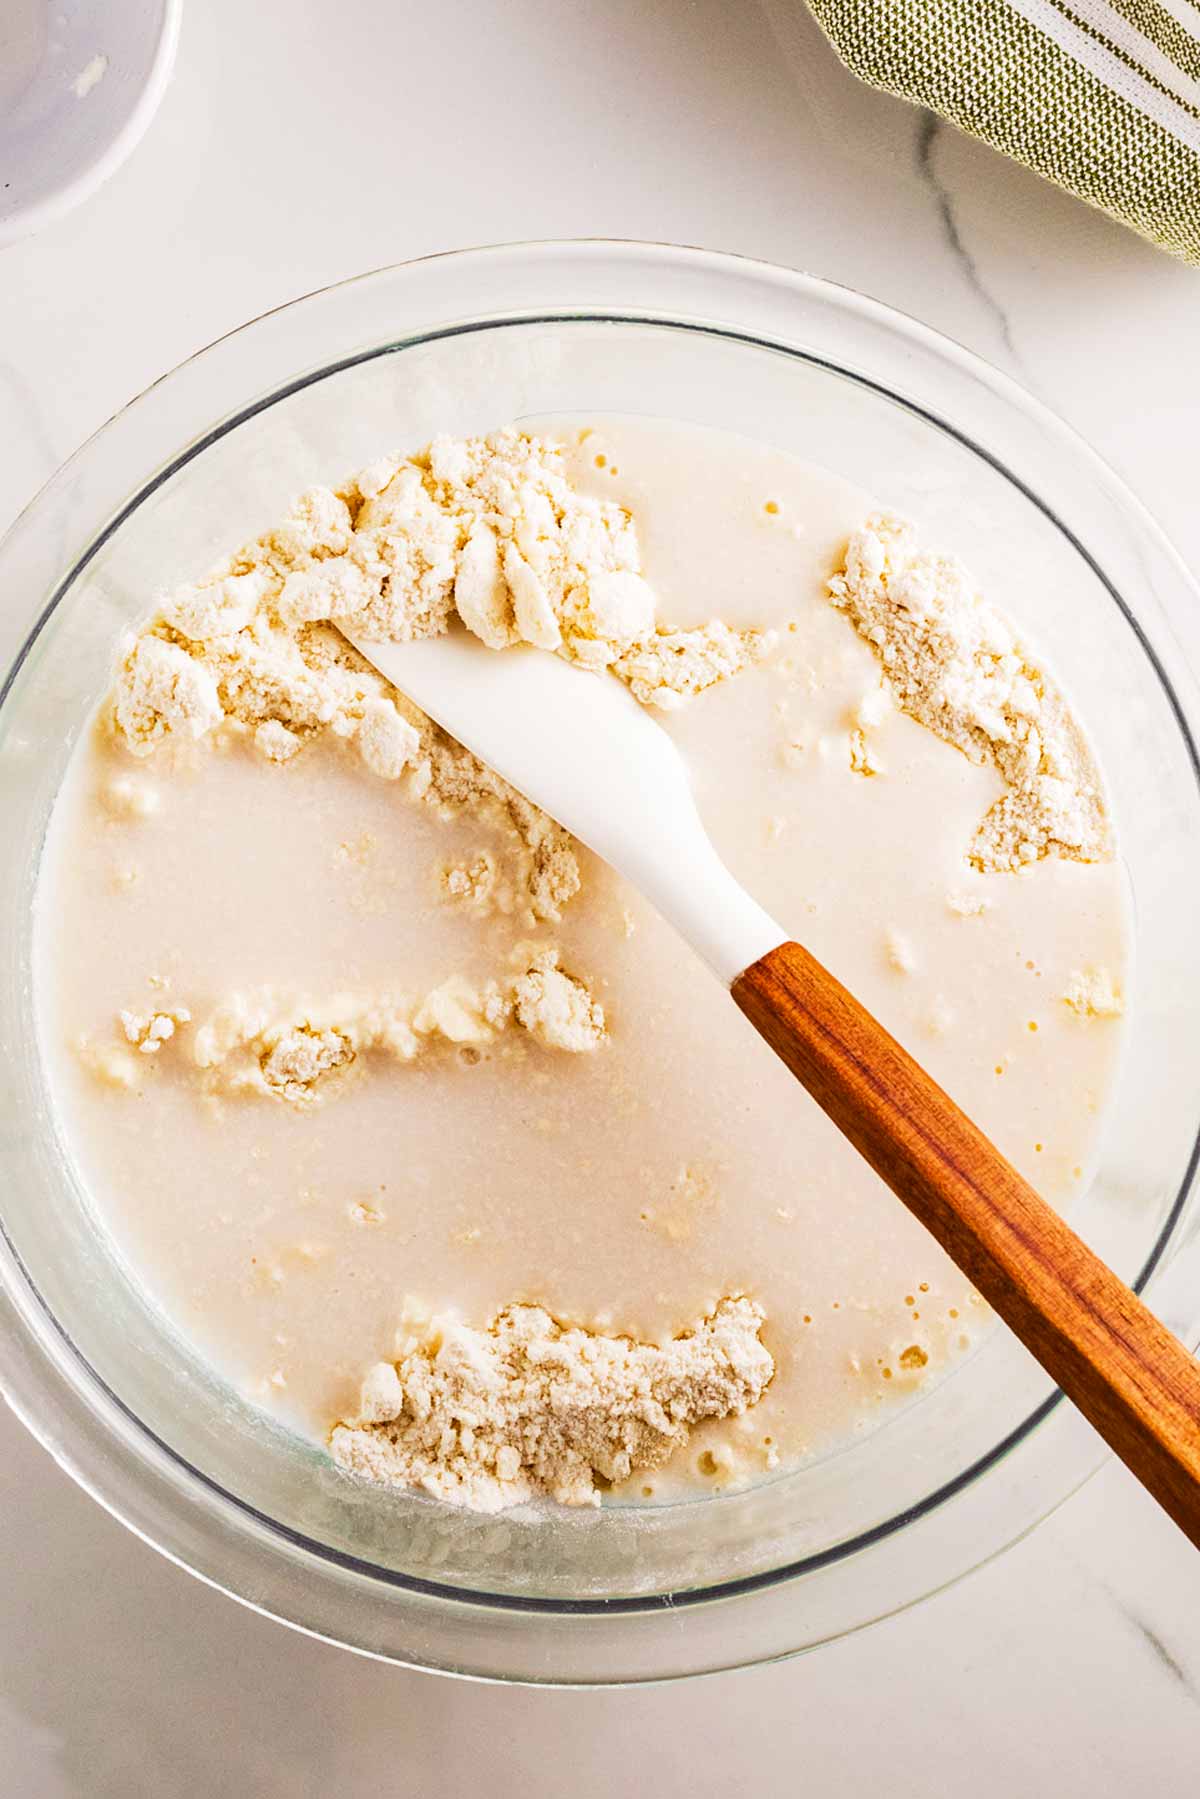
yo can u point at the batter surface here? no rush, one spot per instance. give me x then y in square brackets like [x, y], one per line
[609, 1144]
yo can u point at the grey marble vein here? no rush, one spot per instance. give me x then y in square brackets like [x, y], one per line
[1180, 1668]
[929, 130]
[1166, 1658]
[1169, 1662]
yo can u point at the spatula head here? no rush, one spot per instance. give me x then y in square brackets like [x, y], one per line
[578, 745]
[574, 742]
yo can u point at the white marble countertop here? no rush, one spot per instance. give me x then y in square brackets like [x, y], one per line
[298, 144]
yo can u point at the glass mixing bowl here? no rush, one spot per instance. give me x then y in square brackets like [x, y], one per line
[462, 343]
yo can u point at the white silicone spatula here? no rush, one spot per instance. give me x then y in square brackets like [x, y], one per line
[581, 747]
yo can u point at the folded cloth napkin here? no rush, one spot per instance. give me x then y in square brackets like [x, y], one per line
[1101, 96]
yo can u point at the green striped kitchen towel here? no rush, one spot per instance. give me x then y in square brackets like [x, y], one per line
[1101, 96]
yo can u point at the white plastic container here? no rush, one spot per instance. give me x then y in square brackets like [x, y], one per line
[80, 81]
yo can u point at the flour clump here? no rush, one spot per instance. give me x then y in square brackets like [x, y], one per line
[488, 531]
[148, 1031]
[531, 1409]
[957, 667]
[279, 1046]
[1093, 993]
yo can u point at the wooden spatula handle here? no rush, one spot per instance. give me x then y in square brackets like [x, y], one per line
[1128, 1375]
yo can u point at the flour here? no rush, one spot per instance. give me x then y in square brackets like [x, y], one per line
[164, 691]
[486, 529]
[123, 798]
[278, 1046]
[1092, 993]
[527, 1409]
[900, 953]
[148, 1031]
[90, 76]
[958, 668]
[557, 1010]
[967, 905]
[864, 758]
[387, 743]
[274, 741]
[280, 687]
[673, 667]
[471, 883]
[543, 866]
[109, 1063]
